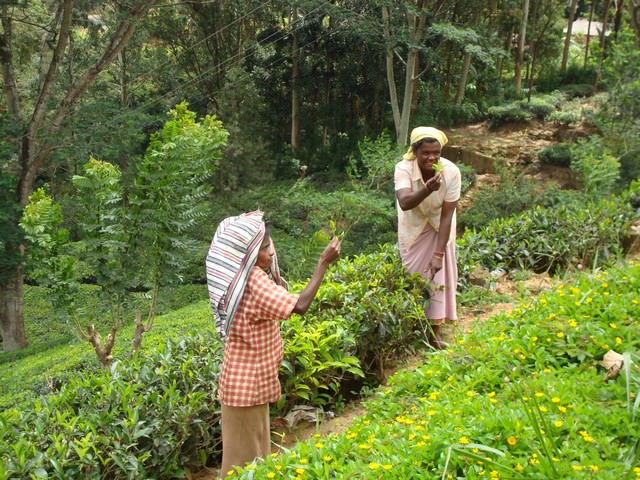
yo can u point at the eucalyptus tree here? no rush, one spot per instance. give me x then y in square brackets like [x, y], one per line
[567, 38]
[522, 35]
[34, 42]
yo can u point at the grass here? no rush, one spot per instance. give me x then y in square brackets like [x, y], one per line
[55, 352]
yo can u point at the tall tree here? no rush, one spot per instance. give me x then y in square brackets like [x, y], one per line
[42, 118]
[567, 38]
[415, 14]
[521, 44]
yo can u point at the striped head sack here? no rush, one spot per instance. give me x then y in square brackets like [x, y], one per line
[232, 254]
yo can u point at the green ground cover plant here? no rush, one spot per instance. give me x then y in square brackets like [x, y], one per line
[142, 418]
[521, 396]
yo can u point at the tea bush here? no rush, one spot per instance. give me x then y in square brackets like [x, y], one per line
[547, 239]
[511, 112]
[520, 397]
[559, 155]
[142, 419]
[512, 195]
[151, 417]
[562, 118]
[368, 311]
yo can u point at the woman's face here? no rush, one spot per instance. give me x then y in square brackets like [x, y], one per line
[265, 253]
[427, 155]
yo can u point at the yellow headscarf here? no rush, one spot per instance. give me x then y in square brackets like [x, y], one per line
[420, 133]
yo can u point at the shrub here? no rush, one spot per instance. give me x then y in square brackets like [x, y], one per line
[578, 90]
[538, 107]
[548, 239]
[598, 169]
[558, 155]
[511, 112]
[511, 196]
[562, 118]
[141, 419]
[468, 177]
[368, 311]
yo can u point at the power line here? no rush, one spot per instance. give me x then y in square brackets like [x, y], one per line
[156, 69]
[231, 59]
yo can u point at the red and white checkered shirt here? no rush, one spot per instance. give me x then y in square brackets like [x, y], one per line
[253, 350]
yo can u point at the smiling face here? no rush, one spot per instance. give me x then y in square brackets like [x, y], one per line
[265, 253]
[427, 155]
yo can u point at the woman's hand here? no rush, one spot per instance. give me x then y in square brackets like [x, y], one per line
[331, 251]
[435, 265]
[433, 184]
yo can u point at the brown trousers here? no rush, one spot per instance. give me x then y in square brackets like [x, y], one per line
[246, 435]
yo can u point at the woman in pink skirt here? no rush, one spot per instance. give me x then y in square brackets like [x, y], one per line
[427, 192]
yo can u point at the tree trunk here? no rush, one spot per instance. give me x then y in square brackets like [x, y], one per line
[521, 44]
[634, 10]
[391, 77]
[567, 38]
[295, 86]
[448, 80]
[617, 18]
[462, 85]
[11, 313]
[586, 47]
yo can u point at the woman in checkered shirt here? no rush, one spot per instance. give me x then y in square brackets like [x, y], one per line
[253, 346]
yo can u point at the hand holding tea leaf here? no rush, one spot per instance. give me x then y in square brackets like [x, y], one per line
[438, 166]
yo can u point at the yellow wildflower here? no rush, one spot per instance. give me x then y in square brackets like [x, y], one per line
[271, 475]
[512, 440]
[299, 471]
[463, 440]
[387, 466]
[577, 468]
[594, 468]
[555, 399]
[374, 466]
[519, 468]
[613, 325]
[558, 423]
[618, 340]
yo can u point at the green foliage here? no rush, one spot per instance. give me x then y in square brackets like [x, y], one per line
[10, 233]
[558, 154]
[139, 420]
[299, 210]
[367, 312]
[578, 90]
[511, 112]
[137, 239]
[512, 195]
[468, 177]
[449, 115]
[375, 164]
[548, 239]
[598, 169]
[619, 116]
[468, 400]
[246, 159]
[167, 200]
[562, 118]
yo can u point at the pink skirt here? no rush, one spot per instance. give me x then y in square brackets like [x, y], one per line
[442, 302]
